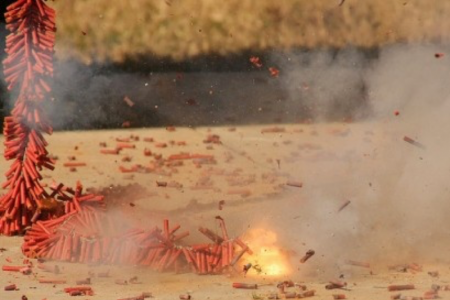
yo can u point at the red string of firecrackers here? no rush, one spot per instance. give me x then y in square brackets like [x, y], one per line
[28, 70]
[91, 236]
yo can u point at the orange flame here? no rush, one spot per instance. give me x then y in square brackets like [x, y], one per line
[268, 259]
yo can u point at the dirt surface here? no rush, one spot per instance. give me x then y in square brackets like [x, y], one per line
[257, 171]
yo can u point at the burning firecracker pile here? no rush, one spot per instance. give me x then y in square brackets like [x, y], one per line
[62, 223]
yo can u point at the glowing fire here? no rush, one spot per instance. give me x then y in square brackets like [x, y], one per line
[267, 259]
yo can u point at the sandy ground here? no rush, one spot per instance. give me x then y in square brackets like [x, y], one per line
[342, 160]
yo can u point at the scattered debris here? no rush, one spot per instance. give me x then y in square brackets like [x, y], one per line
[147, 152]
[126, 158]
[134, 280]
[212, 139]
[246, 268]
[110, 151]
[191, 102]
[335, 285]
[400, 287]
[52, 281]
[257, 268]
[357, 263]
[274, 72]
[433, 273]
[307, 256]
[11, 287]
[128, 101]
[161, 184]
[125, 145]
[221, 204]
[405, 267]
[413, 142]
[344, 205]
[256, 61]
[294, 184]
[160, 145]
[15, 268]
[252, 286]
[79, 291]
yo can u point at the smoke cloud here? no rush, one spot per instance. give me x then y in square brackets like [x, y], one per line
[399, 192]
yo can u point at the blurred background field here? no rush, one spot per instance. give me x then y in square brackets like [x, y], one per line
[179, 29]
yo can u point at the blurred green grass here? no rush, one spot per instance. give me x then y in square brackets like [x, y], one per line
[180, 29]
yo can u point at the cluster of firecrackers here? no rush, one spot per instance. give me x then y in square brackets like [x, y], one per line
[91, 236]
[28, 69]
[222, 255]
